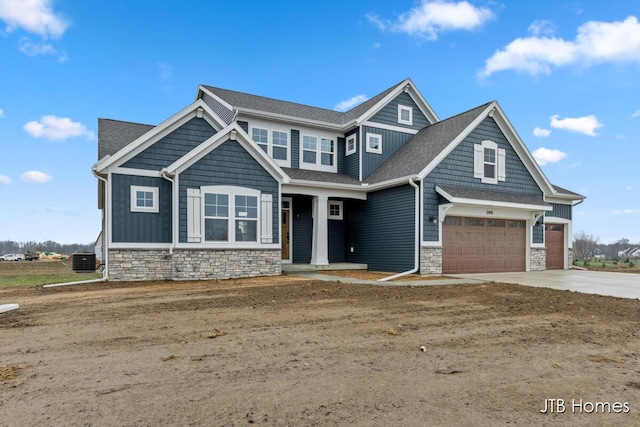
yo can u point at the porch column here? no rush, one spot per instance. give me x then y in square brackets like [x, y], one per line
[320, 246]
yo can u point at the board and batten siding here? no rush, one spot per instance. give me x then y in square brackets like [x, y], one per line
[560, 211]
[228, 164]
[302, 229]
[388, 115]
[381, 229]
[295, 149]
[352, 161]
[139, 227]
[173, 146]
[391, 142]
[457, 170]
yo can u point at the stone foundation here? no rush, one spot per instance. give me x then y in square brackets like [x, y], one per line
[570, 257]
[203, 264]
[538, 259]
[430, 260]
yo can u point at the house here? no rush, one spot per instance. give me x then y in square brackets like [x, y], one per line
[236, 185]
[631, 252]
[598, 254]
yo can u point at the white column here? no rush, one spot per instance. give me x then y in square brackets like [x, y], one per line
[320, 246]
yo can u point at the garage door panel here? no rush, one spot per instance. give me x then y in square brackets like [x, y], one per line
[554, 239]
[475, 245]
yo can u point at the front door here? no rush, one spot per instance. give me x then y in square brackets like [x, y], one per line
[285, 230]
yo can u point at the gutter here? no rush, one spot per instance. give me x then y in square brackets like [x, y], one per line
[166, 176]
[417, 227]
[105, 235]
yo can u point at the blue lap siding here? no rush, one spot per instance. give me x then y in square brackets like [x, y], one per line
[352, 161]
[457, 170]
[173, 146]
[139, 227]
[302, 229]
[388, 115]
[560, 211]
[228, 164]
[391, 142]
[381, 230]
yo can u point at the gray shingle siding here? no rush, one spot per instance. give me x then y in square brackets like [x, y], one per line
[173, 146]
[389, 113]
[352, 161]
[381, 229]
[243, 125]
[560, 211]
[139, 227]
[229, 164]
[391, 142]
[538, 233]
[457, 170]
[223, 112]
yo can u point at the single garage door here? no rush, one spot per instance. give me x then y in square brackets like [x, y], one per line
[481, 245]
[554, 239]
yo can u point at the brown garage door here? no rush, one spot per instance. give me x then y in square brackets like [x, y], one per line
[479, 245]
[554, 239]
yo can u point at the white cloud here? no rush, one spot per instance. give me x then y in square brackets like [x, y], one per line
[433, 17]
[586, 125]
[35, 176]
[166, 71]
[57, 210]
[541, 133]
[636, 114]
[57, 128]
[5, 179]
[596, 42]
[34, 16]
[542, 27]
[36, 49]
[1, 113]
[630, 188]
[546, 155]
[350, 103]
[626, 212]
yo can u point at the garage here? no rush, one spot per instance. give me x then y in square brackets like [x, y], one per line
[482, 245]
[554, 239]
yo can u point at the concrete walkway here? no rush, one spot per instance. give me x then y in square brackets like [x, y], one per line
[621, 285]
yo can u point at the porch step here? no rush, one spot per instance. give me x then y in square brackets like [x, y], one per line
[297, 268]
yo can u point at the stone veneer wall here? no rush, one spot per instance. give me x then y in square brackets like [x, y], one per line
[570, 257]
[538, 259]
[430, 260]
[136, 264]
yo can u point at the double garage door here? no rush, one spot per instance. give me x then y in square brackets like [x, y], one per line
[479, 245]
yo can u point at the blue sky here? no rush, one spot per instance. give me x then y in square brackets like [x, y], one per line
[566, 73]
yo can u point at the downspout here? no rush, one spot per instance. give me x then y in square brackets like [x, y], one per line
[417, 227]
[166, 176]
[570, 237]
[105, 235]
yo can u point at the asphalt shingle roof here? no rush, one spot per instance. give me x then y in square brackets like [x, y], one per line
[493, 196]
[113, 135]
[424, 147]
[318, 176]
[564, 191]
[287, 108]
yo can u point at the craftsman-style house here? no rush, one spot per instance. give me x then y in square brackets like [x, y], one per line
[235, 185]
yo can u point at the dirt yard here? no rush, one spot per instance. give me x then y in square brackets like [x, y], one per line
[292, 352]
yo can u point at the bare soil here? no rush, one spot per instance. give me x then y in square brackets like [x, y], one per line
[287, 351]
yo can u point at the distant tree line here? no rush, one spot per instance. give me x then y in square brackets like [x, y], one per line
[10, 247]
[587, 245]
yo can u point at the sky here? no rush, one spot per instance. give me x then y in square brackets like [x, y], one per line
[566, 73]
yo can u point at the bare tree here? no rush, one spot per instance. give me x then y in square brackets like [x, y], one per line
[584, 244]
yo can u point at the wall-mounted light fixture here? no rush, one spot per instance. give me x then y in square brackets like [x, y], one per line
[433, 219]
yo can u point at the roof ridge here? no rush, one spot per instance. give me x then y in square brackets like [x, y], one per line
[126, 121]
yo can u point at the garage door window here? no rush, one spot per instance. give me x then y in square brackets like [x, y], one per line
[473, 222]
[452, 220]
[516, 224]
[496, 223]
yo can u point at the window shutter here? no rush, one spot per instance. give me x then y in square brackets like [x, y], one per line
[194, 213]
[501, 164]
[266, 210]
[478, 157]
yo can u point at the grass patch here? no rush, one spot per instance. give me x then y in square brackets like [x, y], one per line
[25, 273]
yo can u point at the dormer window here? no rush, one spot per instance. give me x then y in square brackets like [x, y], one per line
[374, 143]
[405, 115]
[318, 153]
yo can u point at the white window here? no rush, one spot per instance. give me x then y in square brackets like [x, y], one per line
[335, 210]
[144, 199]
[274, 142]
[318, 153]
[405, 115]
[351, 144]
[489, 162]
[374, 143]
[231, 214]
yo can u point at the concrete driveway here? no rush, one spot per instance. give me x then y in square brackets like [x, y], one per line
[622, 285]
